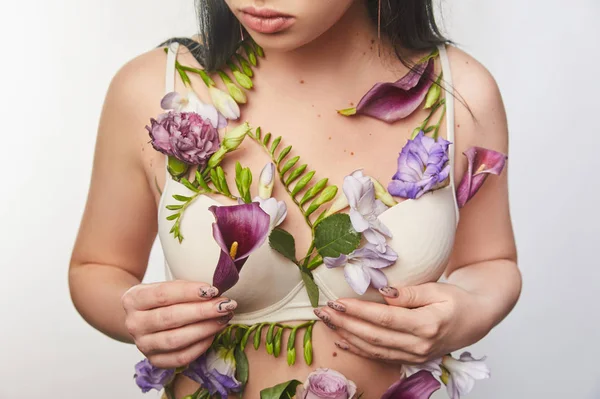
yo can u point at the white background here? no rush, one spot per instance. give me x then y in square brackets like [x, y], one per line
[57, 60]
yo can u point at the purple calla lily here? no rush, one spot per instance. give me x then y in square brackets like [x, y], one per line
[238, 230]
[391, 102]
[481, 163]
[420, 385]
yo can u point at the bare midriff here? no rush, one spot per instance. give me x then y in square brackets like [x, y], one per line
[372, 377]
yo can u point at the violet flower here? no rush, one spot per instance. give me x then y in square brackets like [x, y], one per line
[238, 230]
[365, 209]
[191, 103]
[149, 377]
[422, 166]
[326, 383]
[391, 102]
[361, 267]
[185, 136]
[481, 163]
[460, 375]
[215, 371]
[418, 386]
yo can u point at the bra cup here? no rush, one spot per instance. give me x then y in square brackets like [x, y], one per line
[259, 286]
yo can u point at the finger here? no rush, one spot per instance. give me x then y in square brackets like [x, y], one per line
[181, 338]
[370, 351]
[170, 317]
[151, 296]
[413, 296]
[388, 317]
[182, 357]
[368, 332]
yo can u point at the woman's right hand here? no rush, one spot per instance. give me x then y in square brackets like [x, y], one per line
[174, 322]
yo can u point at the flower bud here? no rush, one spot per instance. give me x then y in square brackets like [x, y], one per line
[340, 203]
[224, 103]
[238, 94]
[266, 181]
[217, 157]
[176, 167]
[382, 194]
[234, 137]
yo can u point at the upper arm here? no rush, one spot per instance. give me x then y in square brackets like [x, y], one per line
[119, 223]
[485, 229]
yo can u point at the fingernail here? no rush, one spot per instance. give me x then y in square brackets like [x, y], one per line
[328, 324]
[226, 306]
[225, 319]
[336, 306]
[389, 292]
[341, 345]
[317, 312]
[209, 292]
[322, 315]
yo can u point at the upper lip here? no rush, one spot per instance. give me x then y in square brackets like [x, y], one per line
[264, 12]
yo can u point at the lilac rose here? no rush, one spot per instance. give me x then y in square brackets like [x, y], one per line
[149, 377]
[185, 136]
[326, 384]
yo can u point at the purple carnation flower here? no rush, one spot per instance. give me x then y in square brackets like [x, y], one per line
[422, 166]
[185, 136]
[149, 377]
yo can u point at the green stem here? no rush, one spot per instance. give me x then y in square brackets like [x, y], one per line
[205, 77]
[433, 109]
[437, 127]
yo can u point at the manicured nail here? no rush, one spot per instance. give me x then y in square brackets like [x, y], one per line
[341, 345]
[322, 315]
[209, 292]
[389, 292]
[317, 312]
[328, 324]
[225, 319]
[336, 306]
[226, 306]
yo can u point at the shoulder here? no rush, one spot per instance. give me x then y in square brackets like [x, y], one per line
[479, 110]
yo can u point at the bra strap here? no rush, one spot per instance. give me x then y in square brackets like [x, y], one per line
[170, 71]
[449, 115]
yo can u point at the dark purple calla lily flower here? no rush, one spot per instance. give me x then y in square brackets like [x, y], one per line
[239, 230]
[420, 385]
[149, 377]
[481, 163]
[391, 102]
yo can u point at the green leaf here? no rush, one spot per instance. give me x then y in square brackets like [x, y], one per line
[246, 183]
[269, 339]
[295, 174]
[316, 189]
[277, 342]
[250, 53]
[238, 168]
[241, 365]
[284, 390]
[202, 182]
[283, 153]
[335, 235]
[259, 50]
[173, 217]
[245, 65]
[246, 336]
[283, 242]
[308, 352]
[288, 165]
[311, 288]
[258, 335]
[266, 139]
[347, 111]
[174, 207]
[302, 183]
[182, 198]
[315, 262]
[189, 185]
[223, 181]
[327, 195]
[258, 133]
[291, 347]
[275, 144]
[322, 216]
[215, 179]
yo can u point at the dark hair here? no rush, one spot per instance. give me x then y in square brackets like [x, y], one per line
[408, 24]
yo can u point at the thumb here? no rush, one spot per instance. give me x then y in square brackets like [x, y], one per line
[411, 297]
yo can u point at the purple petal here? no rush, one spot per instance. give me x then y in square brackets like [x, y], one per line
[481, 163]
[170, 100]
[420, 385]
[149, 377]
[391, 102]
[227, 272]
[357, 278]
[335, 262]
[369, 256]
[359, 223]
[378, 278]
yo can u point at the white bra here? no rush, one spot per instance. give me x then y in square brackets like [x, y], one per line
[270, 288]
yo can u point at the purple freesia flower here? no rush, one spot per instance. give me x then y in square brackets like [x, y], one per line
[215, 371]
[185, 136]
[239, 230]
[418, 386]
[326, 383]
[361, 267]
[192, 103]
[422, 166]
[391, 102]
[149, 377]
[365, 209]
[481, 163]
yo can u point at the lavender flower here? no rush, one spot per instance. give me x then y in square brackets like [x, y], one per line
[481, 163]
[418, 386]
[361, 267]
[422, 166]
[364, 209]
[149, 377]
[326, 384]
[185, 136]
[192, 103]
[215, 371]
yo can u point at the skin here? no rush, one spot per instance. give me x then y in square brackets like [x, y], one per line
[298, 87]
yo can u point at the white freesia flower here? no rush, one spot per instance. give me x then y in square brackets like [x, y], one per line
[192, 103]
[277, 210]
[340, 203]
[266, 181]
[460, 374]
[224, 103]
[433, 366]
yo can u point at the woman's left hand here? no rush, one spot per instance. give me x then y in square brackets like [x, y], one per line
[417, 324]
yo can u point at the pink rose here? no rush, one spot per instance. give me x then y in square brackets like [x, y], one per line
[326, 384]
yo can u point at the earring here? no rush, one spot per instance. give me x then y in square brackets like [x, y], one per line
[241, 32]
[379, 28]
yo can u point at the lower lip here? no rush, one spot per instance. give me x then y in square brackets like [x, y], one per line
[266, 25]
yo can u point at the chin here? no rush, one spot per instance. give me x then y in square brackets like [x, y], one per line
[282, 42]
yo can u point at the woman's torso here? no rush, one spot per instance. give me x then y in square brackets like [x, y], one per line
[302, 109]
